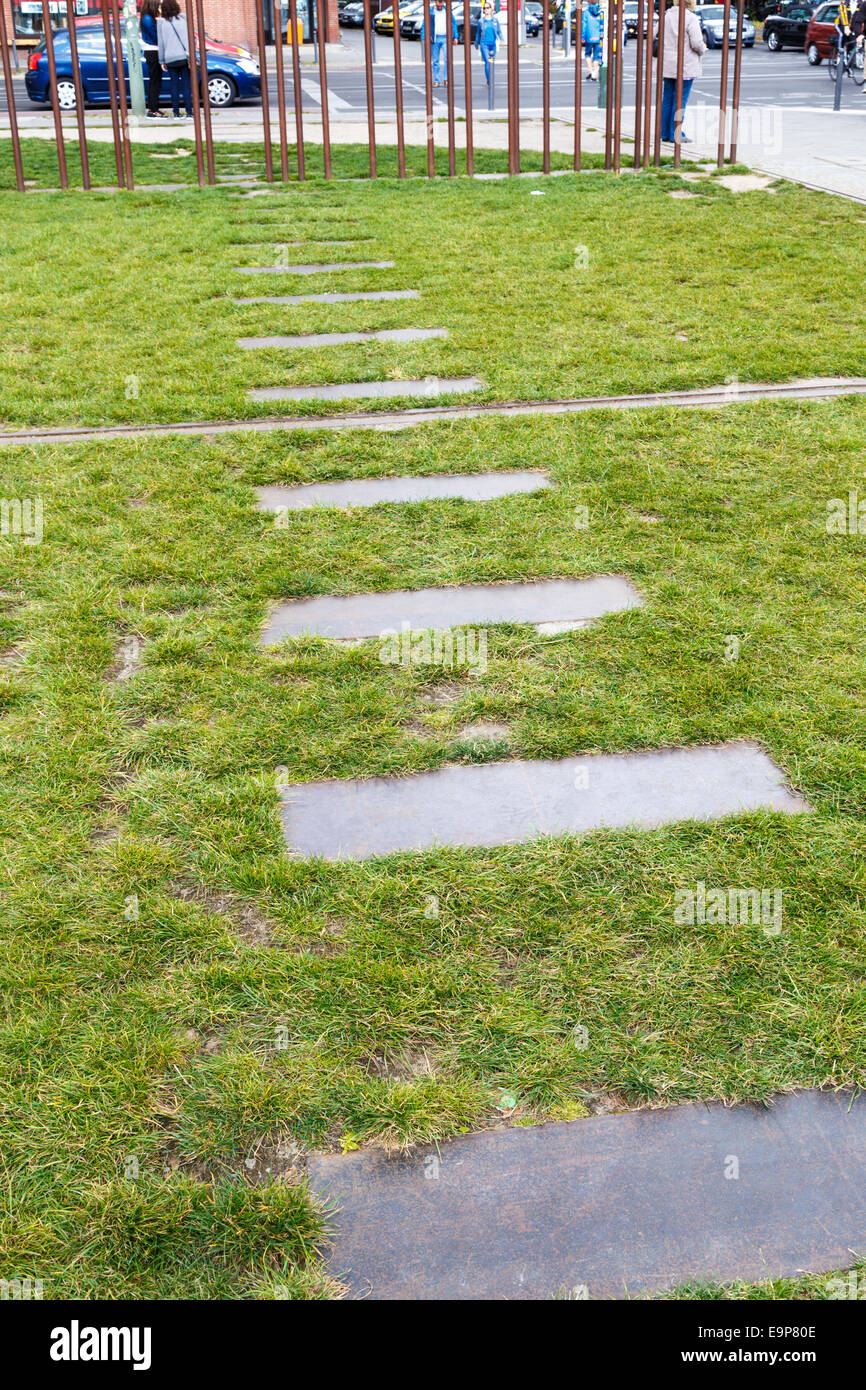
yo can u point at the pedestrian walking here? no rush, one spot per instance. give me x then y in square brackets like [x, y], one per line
[150, 49]
[173, 42]
[591, 32]
[437, 18]
[488, 36]
[693, 50]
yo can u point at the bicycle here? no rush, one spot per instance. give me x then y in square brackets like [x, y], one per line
[852, 63]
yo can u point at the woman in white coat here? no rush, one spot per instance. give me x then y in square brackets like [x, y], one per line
[693, 50]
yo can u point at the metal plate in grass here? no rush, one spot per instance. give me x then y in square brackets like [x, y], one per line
[369, 615]
[312, 269]
[370, 492]
[330, 298]
[606, 1207]
[506, 803]
[311, 340]
[363, 390]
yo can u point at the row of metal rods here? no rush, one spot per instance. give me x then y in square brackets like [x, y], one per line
[648, 102]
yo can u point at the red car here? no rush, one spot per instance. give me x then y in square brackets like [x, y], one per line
[821, 32]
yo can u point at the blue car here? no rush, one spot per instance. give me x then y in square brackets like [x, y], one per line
[233, 74]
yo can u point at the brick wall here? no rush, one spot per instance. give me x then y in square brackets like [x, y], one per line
[234, 21]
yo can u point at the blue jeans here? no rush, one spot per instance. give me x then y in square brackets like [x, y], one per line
[488, 53]
[669, 100]
[437, 48]
[179, 83]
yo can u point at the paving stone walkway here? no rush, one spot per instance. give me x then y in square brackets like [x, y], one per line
[611, 1207]
[381, 335]
[371, 492]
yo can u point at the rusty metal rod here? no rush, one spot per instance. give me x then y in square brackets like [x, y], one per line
[513, 84]
[79, 95]
[112, 94]
[296, 89]
[723, 88]
[55, 100]
[10, 102]
[121, 94]
[368, 64]
[638, 86]
[266, 101]
[620, 59]
[205, 91]
[545, 85]
[578, 91]
[678, 105]
[398, 91]
[449, 83]
[648, 95]
[428, 91]
[735, 95]
[467, 85]
[319, 7]
[281, 89]
[660, 68]
[193, 91]
[608, 112]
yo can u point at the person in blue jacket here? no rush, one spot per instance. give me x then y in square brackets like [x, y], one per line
[150, 53]
[488, 36]
[437, 18]
[593, 28]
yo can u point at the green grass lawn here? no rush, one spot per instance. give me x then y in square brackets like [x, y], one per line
[187, 1009]
[117, 307]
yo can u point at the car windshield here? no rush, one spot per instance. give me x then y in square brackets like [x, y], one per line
[716, 11]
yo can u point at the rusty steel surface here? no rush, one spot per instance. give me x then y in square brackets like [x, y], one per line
[266, 105]
[467, 98]
[638, 89]
[194, 95]
[112, 94]
[545, 83]
[657, 135]
[398, 92]
[368, 73]
[735, 94]
[648, 88]
[449, 82]
[55, 102]
[279, 66]
[79, 95]
[678, 105]
[578, 92]
[608, 105]
[723, 87]
[620, 63]
[513, 86]
[10, 102]
[428, 96]
[296, 89]
[320, 9]
[205, 92]
[616, 1205]
[121, 94]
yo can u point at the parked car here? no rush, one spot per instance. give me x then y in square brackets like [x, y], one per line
[712, 19]
[533, 25]
[629, 18]
[474, 16]
[821, 33]
[410, 26]
[787, 29]
[231, 77]
[352, 14]
[384, 20]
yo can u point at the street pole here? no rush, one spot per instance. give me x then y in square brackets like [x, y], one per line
[837, 90]
[566, 29]
[133, 57]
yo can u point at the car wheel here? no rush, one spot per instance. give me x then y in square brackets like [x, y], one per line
[772, 41]
[66, 94]
[813, 55]
[221, 91]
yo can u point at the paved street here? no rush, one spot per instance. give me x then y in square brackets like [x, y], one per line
[783, 80]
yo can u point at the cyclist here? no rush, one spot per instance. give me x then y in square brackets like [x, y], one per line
[844, 38]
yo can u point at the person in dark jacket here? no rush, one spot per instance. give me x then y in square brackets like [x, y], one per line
[150, 50]
[173, 40]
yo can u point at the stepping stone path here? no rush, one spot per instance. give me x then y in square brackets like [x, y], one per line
[361, 390]
[605, 1208]
[369, 615]
[312, 269]
[383, 335]
[332, 298]
[370, 492]
[511, 802]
